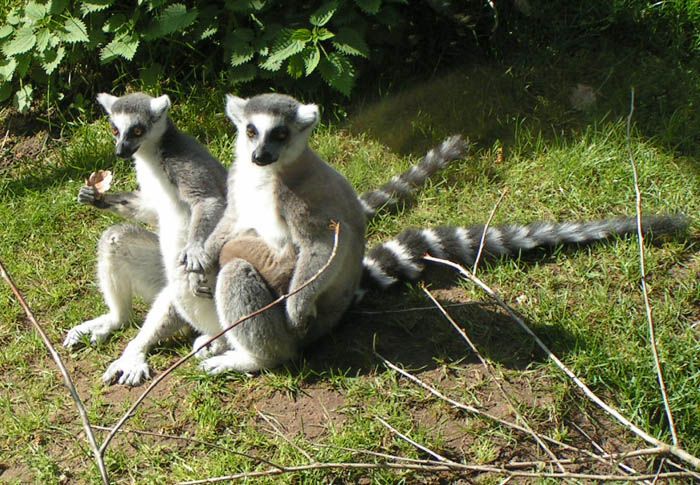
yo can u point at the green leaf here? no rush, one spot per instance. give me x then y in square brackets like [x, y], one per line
[23, 63]
[42, 39]
[23, 98]
[349, 41]
[241, 74]
[324, 34]
[5, 31]
[52, 59]
[94, 6]
[34, 11]
[150, 76]
[303, 35]
[323, 14]
[208, 32]
[173, 18]
[295, 67]
[369, 6]
[13, 17]
[56, 7]
[239, 42]
[284, 48]
[23, 41]
[114, 23]
[123, 45]
[7, 69]
[5, 91]
[311, 57]
[338, 72]
[75, 30]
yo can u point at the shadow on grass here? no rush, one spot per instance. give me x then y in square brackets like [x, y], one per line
[491, 102]
[423, 339]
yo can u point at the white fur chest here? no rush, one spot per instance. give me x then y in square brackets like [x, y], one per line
[257, 207]
[162, 195]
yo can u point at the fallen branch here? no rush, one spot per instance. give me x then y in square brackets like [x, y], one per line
[129, 413]
[432, 469]
[678, 452]
[68, 381]
[642, 271]
[496, 380]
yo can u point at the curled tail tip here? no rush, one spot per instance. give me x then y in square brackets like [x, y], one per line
[666, 224]
[453, 147]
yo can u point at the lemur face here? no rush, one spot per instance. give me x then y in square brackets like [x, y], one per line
[134, 119]
[272, 128]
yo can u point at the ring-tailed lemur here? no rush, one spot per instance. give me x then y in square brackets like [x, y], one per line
[182, 191]
[281, 191]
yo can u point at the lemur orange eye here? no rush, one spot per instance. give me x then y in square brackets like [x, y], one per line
[138, 131]
[251, 131]
[115, 131]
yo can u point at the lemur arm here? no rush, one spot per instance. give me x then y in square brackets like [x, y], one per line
[206, 213]
[127, 204]
[313, 256]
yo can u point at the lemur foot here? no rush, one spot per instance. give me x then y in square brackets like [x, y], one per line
[217, 347]
[97, 329]
[128, 370]
[231, 360]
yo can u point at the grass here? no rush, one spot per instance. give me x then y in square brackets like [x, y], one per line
[586, 303]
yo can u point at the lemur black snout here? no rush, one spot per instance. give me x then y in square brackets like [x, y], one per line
[263, 158]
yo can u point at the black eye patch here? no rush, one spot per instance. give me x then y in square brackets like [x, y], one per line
[137, 130]
[279, 133]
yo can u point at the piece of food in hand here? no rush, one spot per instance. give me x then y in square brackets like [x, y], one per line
[101, 181]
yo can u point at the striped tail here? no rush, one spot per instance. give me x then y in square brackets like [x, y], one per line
[402, 188]
[401, 258]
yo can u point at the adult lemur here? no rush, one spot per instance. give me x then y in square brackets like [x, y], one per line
[283, 194]
[183, 191]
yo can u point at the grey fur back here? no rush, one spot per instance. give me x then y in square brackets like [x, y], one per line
[402, 188]
[401, 259]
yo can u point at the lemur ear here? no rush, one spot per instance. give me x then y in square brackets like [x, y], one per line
[106, 100]
[234, 108]
[160, 105]
[307, 116]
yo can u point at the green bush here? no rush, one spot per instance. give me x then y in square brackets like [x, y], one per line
[68, 44]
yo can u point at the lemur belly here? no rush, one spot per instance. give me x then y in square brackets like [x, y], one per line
[173, 213]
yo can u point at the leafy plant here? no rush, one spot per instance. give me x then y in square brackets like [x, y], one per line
[59, 43]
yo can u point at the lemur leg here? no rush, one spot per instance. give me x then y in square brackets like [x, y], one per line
[129, 264]
[162, 321]
[261, 342]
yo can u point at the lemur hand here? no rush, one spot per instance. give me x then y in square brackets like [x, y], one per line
[88, 195]
[195, 259]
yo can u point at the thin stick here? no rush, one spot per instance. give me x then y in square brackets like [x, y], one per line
[425, 449]
[673, 449]
[620, 464]
[433, 468]
[279, 433]
[191, 440]
[406, 310]
[67, 380]
[482, 242]
[496, 380]
[476, 411]
[169, 370]
[642, 270]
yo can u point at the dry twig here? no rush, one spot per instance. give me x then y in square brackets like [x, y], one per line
[642, 271]
[425, 449]
[672, 449]
[129, 413]
[482, 241]
[495, 378]
[68, 381]
[278, 432]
